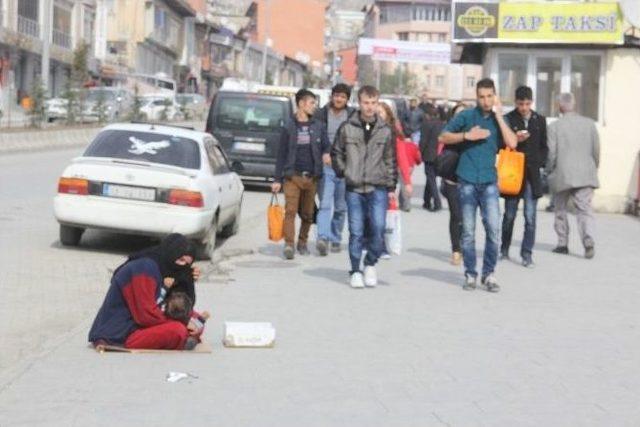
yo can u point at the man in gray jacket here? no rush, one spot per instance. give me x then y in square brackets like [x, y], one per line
[572, 167]
[364, 154]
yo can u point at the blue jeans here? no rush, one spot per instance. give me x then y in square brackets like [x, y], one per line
[510, 212]
[366, 211]
[333, 206]
[485, 197]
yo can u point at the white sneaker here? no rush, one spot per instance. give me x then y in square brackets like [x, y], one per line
[370, 276]
[356, 280]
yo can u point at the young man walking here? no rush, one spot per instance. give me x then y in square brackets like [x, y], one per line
[364, 154]
[574, 157]
[303, 152]
[479, 131]
[333, 203]
[531, 130]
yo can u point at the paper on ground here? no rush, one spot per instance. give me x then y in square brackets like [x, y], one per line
[249, 334]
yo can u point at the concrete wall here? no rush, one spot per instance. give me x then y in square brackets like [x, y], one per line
[619, 131]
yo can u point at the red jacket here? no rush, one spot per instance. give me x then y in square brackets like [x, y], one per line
[408, 155]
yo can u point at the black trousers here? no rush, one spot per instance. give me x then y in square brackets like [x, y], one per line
[431, 187]
[450, 192]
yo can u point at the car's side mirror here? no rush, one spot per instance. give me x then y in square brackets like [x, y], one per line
[237, 167]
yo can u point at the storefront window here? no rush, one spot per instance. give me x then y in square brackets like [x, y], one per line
[548, 85]
[512, 72]
[550, 72]
[585, 84]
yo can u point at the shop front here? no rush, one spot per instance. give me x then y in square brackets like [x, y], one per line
[575, 47]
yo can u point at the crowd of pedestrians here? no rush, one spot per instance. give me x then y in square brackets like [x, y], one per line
[353, 161]
[361, 162]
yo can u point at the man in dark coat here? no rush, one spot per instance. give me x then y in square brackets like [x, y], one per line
[531, 130]
[431, 129]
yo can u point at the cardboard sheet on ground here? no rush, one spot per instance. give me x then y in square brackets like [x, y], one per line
[203, 347]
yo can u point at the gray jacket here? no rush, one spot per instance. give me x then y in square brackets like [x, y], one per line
[574, 153]
[362, 164]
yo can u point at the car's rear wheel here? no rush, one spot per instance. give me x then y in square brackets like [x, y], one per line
[70, 236]
[205, 247]
[233, 228]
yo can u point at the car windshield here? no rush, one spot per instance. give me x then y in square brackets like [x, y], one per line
[249, 113]
[94, 95]
[147, 147]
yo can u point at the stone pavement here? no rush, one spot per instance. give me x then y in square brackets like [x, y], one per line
[559, 346]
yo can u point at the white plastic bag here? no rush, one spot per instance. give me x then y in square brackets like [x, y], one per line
[393, 232]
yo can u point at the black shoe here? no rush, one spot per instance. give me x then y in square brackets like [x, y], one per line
[426, 206]
[302, 249]
[490, 283]
[527, 262]
[504, 255]
[550, 208]
[335, 248]
[589, 252]
[322, 247]
[289, 253]
[470, 283]
[561, 250]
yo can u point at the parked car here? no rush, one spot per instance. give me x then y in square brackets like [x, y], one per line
[192, 105]
[56, 109]
[116, 103]
[156, 107]
[151, 180]
[249, 127]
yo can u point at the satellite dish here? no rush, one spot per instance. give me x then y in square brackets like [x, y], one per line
[631, 11]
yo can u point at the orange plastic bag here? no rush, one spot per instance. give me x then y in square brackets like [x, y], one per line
[510, 172]
[275, 220]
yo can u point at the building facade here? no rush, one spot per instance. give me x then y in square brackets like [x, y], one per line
[37, 39]
[597, 63]
[291, 28]
[419, 21]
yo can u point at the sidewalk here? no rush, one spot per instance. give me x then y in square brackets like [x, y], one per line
[559, 346]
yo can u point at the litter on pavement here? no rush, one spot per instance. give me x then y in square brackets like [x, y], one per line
[174, 377]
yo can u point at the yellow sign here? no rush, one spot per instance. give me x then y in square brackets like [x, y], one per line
[541, 22]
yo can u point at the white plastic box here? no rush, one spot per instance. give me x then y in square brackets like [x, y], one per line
[249, 334]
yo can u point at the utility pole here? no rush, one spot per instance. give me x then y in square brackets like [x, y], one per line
[47, 12]
[265, 46]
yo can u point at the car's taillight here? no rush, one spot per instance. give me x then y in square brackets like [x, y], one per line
[73, 186]
[186, 198]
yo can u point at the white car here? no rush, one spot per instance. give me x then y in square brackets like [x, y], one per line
[150, 180]
[154, 107]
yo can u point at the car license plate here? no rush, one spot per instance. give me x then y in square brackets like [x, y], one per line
[126, 192]
[251, 147]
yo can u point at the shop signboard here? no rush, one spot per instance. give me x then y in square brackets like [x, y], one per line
[405, 51]
[538, 22]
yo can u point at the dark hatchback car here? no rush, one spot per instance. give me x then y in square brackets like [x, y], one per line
[249, 127]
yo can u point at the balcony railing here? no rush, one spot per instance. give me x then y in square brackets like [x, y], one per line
[61, 39]
[28, 26]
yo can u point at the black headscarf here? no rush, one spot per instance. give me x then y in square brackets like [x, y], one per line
[170, 249]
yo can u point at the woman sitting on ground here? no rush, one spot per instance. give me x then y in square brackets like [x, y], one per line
[130, 315]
